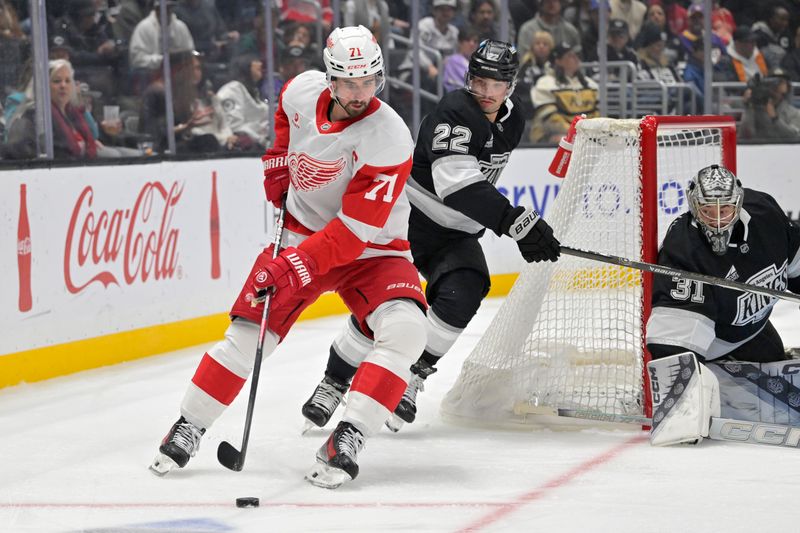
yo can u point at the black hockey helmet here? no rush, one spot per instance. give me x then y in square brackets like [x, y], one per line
[494, 59]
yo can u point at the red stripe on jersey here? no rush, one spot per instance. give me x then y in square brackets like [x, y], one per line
[281, 123]
[401, 245]
[293, 225]
[379, 384]
[217, 381]
[373, 191]
[332, 246]
[324, 125]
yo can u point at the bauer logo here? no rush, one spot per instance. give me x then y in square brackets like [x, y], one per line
[122, 244]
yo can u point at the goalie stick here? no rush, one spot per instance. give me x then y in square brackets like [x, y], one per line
[227, 455]
[724, 429]
[678, 273]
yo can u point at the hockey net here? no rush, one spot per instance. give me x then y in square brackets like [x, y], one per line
[570, 334]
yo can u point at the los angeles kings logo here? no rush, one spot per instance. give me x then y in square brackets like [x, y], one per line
[751, 307]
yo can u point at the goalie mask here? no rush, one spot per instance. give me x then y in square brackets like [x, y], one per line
[715, 201]
[495, 60]
[352, 52]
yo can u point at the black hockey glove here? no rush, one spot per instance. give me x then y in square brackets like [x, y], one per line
[533, 235]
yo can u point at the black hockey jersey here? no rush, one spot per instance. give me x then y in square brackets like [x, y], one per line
[713, 321]
[458, 158]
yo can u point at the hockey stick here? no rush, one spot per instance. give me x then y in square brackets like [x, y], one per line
[724, 429]
[227, 455]
[678, 273]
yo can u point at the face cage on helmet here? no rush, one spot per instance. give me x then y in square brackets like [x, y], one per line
[717, 237]
[381, 82]
[468, 84]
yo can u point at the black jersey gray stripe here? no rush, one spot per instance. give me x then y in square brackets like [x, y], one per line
[433, 208]
[454, 172]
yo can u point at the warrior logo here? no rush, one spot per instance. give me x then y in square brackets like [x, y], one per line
[309, 174]
[751, 307]
[493, 168]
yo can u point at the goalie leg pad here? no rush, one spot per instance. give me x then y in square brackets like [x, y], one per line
[685, 396]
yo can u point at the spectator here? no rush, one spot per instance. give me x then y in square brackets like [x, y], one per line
[761, 120]
[255, 42]
[560, 95]
[791, 61]
[524, 10]
[372, 14]
[772, 35]
[245, 111]
[483, 16]
[88, 43]
[14, 47]
[631, 11]
[211, 36]
[654, 63]
[294, 60]
[656, 15]
[130, 13]
[549, 19]
[72, 136]
[307, 12]
[722, 22]
[747, 11]
[145, 49]
[694, 72]
[618, 39]
[694, 31]
[591, 34]
[200, 125]
[435, 32]
[677, 15]
[778, 80]
[534, 65]
[744, 59]
[455, 66]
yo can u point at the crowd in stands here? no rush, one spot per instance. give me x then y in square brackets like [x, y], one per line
[108, 89]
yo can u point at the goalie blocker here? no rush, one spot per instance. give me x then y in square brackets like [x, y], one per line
[685, 397]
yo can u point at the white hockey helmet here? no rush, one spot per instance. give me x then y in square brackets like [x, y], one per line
[716, 186]
[353, 52]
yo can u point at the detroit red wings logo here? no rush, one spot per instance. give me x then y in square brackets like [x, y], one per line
[309, 174]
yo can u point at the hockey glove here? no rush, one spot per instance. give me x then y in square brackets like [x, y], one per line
[276, 175]
[533, 235]
[292, 270]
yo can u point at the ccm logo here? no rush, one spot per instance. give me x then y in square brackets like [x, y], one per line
[762, 433]
[654, 388]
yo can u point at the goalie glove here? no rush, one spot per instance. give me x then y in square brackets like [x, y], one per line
[534, 236]
[276, 175]
[292, 270]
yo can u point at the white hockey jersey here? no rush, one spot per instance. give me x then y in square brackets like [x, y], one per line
[348, 173]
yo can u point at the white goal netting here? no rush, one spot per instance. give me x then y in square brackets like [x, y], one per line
[570, 334]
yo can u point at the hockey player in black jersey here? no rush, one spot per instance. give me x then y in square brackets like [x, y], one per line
[462, 148]
[734, 233]
[722, 336]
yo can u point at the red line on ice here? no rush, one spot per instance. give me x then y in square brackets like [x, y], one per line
[506, 509]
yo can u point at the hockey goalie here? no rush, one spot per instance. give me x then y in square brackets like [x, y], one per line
[715, 352]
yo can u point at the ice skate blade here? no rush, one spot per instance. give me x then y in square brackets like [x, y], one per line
[162, 465]
[308, 425]
[394, 423]
[327, 477]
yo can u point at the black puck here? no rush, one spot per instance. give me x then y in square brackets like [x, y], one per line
[247, 502]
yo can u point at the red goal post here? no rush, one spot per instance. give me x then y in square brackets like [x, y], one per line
[570, 335]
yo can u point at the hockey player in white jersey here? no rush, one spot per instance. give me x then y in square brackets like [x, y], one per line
[462, 148]
[696, 329]
[343, 157]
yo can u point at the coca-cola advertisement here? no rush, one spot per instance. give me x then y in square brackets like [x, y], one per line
[130, 247]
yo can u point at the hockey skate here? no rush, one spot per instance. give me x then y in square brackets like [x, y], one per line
[326, 398]
[179, 445]
[406, 410]
[336, 459]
